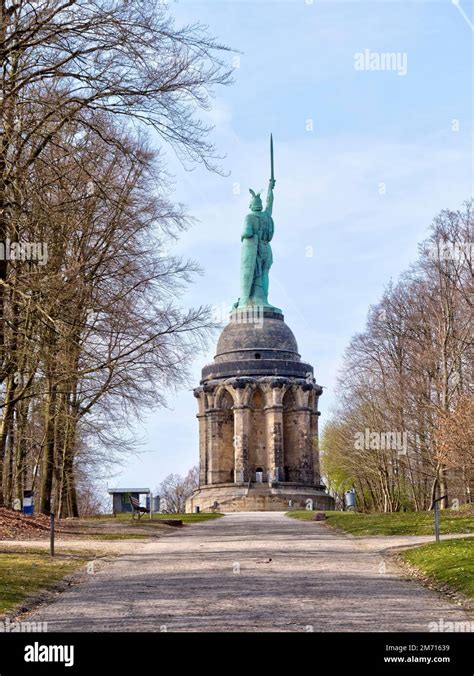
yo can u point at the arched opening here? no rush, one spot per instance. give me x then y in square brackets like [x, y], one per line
[290, 437]
[225, 431]
[257, 437]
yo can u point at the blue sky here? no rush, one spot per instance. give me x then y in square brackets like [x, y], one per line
[364, 161]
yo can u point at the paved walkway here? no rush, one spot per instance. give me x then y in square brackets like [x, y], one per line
[251, 572]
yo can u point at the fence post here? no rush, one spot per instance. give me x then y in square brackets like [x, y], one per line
[436, 516]
[51, 533]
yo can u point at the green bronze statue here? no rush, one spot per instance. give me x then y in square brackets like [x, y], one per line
[256, 252]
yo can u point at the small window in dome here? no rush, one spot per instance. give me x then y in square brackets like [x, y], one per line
[258, 355]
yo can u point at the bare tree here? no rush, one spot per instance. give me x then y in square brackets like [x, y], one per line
[97, 335]
[174, 490]
[455, 442]
[410, 373]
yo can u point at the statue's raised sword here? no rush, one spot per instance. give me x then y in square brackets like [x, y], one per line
[272, 172]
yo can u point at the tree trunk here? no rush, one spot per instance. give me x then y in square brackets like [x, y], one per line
[47, 465]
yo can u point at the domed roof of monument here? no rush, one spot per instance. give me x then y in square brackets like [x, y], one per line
[256, 346]
[266, 335]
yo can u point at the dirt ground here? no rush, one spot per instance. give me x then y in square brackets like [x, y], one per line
[16, 528]
[251, 572]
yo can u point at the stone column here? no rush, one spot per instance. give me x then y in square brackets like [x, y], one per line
[274, 431]
[305, 437]
[213, 438]
[201, 416]
[315, 444]
[315, 432]
[211, 425]
[241, 443]
[243, 391]
[305, 446]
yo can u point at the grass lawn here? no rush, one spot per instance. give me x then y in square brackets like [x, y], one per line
[397, 523]
[25, 573]
[450, 562]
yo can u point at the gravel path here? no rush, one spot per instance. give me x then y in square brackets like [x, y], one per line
[257, 571]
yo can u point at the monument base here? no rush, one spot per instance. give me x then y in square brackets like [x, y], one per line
[258, 497]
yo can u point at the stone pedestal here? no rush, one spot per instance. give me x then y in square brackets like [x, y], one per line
[258, 420]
